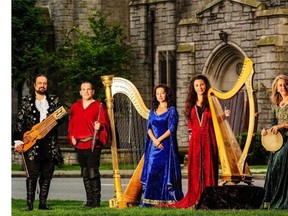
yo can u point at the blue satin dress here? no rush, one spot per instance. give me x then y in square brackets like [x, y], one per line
[161, 174]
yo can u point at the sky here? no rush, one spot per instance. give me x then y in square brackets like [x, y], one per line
[5, 108]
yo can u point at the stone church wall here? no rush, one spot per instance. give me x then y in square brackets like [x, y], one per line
[257, 29]
[161, 17]
[197, 34]
[65, 14]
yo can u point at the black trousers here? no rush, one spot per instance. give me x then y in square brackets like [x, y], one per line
[90, 162]
[43, 169]
[89, 159]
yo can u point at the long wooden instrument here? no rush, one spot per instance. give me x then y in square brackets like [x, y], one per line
[41, 129]
[96, 131]
[112, 86]
[233, 160]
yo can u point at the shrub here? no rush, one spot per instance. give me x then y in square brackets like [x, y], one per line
[257, 155]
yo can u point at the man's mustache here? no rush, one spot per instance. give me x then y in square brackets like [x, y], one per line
[41, 90]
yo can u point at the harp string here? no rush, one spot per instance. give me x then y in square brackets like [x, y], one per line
[130, 132]
[127, 145]
[233, 160]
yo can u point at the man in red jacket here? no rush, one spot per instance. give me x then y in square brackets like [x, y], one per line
[88, 132]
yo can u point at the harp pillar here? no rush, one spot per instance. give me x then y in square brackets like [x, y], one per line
[132, 194]
[107, 82]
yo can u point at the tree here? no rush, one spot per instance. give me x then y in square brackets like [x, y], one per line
[29, 40]
[83, 56]
[87, 56]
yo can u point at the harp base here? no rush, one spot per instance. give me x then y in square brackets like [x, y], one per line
[125, 204]
[231, 197]
[236, 179]
[114, 203]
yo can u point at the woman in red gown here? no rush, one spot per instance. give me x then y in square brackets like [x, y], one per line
[202, 152]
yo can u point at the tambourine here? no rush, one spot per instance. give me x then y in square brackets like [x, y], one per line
[272, 142]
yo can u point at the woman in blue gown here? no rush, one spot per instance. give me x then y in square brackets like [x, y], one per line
[161, 174]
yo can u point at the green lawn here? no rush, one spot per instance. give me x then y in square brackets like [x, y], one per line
[16, 167]
[109, 167]
[71, 208]
[68, 207]
[63, 208]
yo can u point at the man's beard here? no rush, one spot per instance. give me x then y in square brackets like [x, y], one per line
[41, 92]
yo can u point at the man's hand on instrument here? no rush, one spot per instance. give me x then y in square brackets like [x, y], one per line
[97, 125]
[18, 146]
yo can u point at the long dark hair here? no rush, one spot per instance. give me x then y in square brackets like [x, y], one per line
[169, 96]
[192, 95]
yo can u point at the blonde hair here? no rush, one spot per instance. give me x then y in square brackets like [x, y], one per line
[276, 96]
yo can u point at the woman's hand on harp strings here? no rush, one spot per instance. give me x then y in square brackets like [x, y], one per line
[227, 112]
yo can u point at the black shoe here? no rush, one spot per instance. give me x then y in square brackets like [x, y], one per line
[90, 205]
[29, 207]
[95, 205]
[44, 206]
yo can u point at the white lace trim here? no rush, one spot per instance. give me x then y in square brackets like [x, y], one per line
[42, 106]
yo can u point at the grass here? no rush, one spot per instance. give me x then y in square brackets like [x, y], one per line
[258, 166]
[67, 207]
[16, 167]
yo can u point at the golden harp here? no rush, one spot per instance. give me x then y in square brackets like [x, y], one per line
[232, 159]
[114, 85]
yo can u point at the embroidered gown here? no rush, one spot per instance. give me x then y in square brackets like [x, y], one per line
[202, 158]
[276, 182]
[161, 174]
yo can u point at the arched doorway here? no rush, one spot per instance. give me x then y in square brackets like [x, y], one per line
[224, 65]
[223, 68]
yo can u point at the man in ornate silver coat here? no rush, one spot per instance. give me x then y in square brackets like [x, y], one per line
[42, 157]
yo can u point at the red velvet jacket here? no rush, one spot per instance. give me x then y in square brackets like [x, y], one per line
[81, 124]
